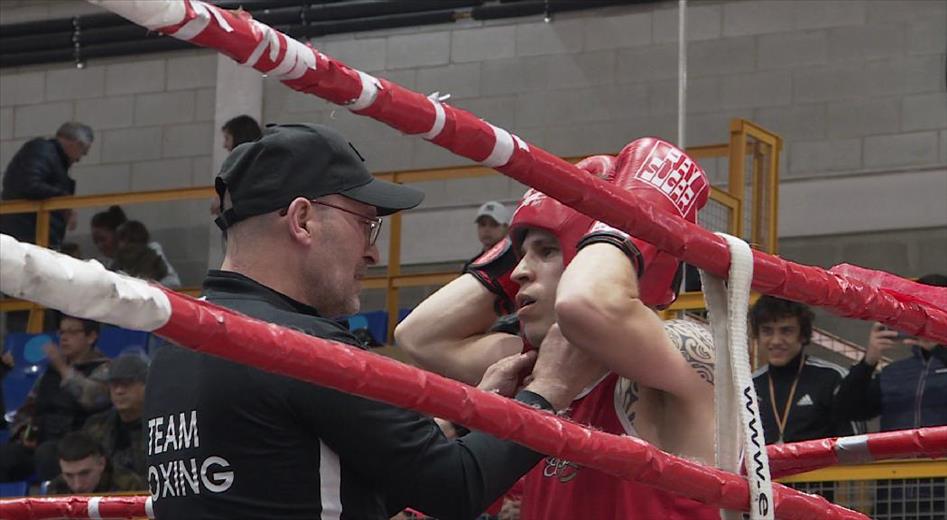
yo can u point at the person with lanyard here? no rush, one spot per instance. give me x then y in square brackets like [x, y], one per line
[796, 390]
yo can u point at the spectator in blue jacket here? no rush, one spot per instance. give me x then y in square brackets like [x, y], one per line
[908, 393]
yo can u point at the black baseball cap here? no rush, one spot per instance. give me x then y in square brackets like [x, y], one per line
[301, 160]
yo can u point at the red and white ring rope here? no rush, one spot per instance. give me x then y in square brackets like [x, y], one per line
[54, 280]
[846, 290]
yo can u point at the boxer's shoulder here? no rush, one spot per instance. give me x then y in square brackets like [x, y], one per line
[695, 343]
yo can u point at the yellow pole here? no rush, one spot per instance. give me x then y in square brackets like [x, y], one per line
[737, 159]
[35, 323]
[394, 270]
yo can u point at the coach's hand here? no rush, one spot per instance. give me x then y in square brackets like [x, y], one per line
[504, 376]
[562, 371]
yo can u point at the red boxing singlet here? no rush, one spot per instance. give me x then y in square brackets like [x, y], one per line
[558, 489]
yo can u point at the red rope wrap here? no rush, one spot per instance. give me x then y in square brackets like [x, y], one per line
[73, 507]
[204, 327]
[852, 292]
[799, 457]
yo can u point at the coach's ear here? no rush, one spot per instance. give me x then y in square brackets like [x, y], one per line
[301, 221]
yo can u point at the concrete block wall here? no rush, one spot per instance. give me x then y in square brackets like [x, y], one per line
[153, 123]
[855, 87]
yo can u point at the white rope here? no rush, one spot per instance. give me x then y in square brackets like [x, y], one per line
[84, 289]
[735, 395]
[149, 13]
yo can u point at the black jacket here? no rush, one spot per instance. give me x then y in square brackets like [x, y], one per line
[246, 443]
[124, 443]
[812, 414]
[39, 170]
[909, 393]
[57, 411]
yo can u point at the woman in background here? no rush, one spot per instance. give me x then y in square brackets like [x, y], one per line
[105, 225]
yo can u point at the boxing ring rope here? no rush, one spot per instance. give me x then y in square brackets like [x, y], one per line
[77, 507]
[201, 326]
[784, 459]
[88, 290]
[800, 457]
[846, 290]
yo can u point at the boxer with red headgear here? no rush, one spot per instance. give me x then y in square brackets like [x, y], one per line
[655, 378]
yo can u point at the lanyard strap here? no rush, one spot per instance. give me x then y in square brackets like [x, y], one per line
[782, 420]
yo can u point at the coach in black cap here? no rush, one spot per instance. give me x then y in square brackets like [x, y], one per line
[225, 440]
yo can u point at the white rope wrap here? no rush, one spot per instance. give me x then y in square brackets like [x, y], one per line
[502, 148]
[366, 97]
[93, 508]
[735, 395]
[84, 289]
[150, 507]
[194, 26]
[149, 13]
[439, 119]
[853, 450]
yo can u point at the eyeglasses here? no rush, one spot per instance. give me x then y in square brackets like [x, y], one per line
[374, 223]
[71, 332]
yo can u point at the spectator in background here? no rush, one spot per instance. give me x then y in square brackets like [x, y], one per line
[105, 226]
[86, 469]
[118, 430]
[908, 393]
[134, 257]
[40, 170]
[239, 130]
[493, 220]
[6, 365]
[72, 388]
[796, 391]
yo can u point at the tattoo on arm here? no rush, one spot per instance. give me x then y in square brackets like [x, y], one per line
[695, 344]
[629, 397]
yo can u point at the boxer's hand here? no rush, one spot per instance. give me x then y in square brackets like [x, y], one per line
[492, 269]
[602, 233]
[504, 376]
[562, 371]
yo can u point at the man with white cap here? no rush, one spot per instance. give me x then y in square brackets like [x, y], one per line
[493, 221]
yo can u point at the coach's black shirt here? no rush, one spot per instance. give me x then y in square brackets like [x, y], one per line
[229, 441]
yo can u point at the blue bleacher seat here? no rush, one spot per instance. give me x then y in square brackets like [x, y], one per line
[13, 489]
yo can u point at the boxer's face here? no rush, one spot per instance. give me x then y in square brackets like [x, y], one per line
[781, 339]
[538, 274]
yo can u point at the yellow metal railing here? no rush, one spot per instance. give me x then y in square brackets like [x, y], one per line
[888, 469]
[746, 140]
[888, 490]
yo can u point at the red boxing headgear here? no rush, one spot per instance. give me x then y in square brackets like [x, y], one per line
[662, 173]
[537, 210]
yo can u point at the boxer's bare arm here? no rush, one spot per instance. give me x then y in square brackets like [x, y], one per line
[448, 332]
[598, 310]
